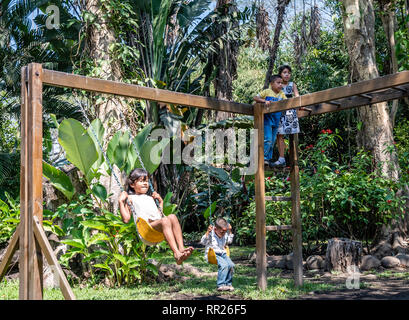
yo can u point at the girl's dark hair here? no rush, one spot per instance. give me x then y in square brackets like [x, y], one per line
[283, 67]
[135, 175]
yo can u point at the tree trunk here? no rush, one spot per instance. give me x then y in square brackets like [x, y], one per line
[389, 25]
[99, 40]
[226, 56]
[262, 28]
[376, 134]
[342, 254]
[281, 7]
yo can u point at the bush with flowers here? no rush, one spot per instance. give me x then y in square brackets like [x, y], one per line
[337, 200]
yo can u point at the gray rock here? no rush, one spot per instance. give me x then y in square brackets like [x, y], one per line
[382, 250]
[276, 262]
[315, 262]
[289, 261]
[404, 259]
[369, 262]
[390, 262]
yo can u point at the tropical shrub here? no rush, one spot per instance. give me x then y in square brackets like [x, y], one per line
[336, 200]
[9, 217]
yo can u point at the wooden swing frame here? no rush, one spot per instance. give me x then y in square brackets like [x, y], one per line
[30, 237]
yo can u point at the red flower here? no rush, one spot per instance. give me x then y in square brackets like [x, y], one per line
[389, 201]
[322, 151]
[323, 131]
[329, 131]
[309, 147]
[288, 179]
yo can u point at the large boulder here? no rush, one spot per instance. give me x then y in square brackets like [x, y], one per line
[382, 250]
[315, 262]
[277, 262]
[390, 262]
[404, 259]
[369, 262]
[289, 261]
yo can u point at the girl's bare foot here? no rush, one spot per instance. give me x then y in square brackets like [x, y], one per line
[190, 249]
[186, 254]
[179, 257]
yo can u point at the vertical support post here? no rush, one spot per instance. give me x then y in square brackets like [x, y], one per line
[261, 259]
[296, 211]
[31, 279]
[23, 241]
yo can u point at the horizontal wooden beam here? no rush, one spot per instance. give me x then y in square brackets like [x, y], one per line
[399, 79]
[279, 228]
[67, 80]
[356, 101]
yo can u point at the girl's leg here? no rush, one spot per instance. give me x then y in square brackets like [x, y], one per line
[164, 225]
[280, 145]
[177, 232]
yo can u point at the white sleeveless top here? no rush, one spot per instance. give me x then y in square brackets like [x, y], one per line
[145, 207]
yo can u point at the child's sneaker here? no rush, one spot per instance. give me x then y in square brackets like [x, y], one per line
[279, 163]
[230, 288]
[223, 288]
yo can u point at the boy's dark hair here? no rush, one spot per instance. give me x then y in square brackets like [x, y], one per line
[274, 77]
[135, 175]
[283, 67]
[221, 223]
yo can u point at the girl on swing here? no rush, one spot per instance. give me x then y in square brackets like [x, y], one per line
[137, 186]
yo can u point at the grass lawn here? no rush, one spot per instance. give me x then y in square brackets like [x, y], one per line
[244, 281]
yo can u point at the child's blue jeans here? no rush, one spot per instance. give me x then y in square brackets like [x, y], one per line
[271, 123]
[225, 270]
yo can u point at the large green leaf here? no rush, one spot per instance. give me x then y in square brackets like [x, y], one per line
[95, 225]
[143, 135]
[207, 212]
[100, 191]
[96, 132]
[78, 145]
[59, 180]
[151, 150]
[112, 144]
[121, 151]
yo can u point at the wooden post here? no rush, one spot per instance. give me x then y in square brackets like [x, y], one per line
[261, 259]
[13, 245]
[52, 260]
[31, 193]
[296, 211]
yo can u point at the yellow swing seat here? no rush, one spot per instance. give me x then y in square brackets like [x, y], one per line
[211, 255]
[148, 235]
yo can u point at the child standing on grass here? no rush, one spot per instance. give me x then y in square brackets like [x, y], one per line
[289, 120]
[217, 237]
[145, 208]
[271, 120]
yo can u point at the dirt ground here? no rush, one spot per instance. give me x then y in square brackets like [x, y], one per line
[372, 286]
